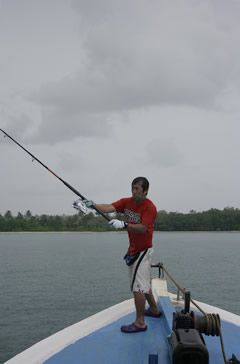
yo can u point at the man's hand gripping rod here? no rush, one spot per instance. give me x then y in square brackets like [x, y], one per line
[66, 183]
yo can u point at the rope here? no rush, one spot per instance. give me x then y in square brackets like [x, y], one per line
[213, 321]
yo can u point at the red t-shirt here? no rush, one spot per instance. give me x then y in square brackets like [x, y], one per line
[143, 213]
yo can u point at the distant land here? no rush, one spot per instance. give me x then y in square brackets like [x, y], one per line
[227, 219]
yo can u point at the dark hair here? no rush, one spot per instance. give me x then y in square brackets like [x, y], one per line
[144, 182]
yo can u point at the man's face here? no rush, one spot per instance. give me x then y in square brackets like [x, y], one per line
[137, 192]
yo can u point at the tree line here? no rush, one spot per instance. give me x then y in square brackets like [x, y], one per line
[227, 219]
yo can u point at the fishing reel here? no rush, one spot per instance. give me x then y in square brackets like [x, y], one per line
[80, 206]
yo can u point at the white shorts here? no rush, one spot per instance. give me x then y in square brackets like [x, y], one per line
[140, 272]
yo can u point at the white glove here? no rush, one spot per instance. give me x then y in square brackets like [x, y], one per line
[89, 203]
[118, 224]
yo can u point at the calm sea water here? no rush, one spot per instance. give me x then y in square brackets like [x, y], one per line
[50, 281]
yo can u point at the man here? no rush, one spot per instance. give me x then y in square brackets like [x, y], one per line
[140, 214]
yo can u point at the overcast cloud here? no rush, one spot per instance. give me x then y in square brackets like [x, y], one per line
[104, 91]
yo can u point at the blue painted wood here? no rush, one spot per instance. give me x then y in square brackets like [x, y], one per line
[109, 345]
[167, 309]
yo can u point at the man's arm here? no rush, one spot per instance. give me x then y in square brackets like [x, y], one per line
[137, 228]
[106, 208]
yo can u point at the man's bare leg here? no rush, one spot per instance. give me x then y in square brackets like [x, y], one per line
[140, 301]
[152, 302]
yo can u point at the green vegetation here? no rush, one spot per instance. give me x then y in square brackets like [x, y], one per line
[227, 219]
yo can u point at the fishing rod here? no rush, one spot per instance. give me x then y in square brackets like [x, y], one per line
[66, 183]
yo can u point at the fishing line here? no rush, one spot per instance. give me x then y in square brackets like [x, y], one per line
[65, 183]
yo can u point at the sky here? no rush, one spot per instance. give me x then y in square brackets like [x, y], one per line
[105, 91]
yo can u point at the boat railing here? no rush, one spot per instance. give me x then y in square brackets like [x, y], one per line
[180, 294]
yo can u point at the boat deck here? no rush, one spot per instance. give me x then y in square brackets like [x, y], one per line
[109, 345]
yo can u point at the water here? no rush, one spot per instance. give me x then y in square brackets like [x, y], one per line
[50, 281]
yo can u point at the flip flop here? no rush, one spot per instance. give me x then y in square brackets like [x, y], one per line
[148, 312]
[130, 329]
